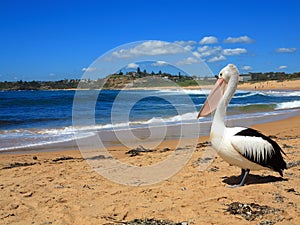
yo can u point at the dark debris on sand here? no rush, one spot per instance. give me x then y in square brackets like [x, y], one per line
[203, 144]
[136, 151]
[148, 222]
[287, 146]
[251, 211]
[165, 150]
[62, 158]
[17, 164]
[293, 164]
[200, 161]
[292, 190]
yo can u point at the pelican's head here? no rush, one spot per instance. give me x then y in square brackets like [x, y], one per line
[228, 73]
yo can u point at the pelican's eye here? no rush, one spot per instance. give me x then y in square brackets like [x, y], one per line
[221, 74]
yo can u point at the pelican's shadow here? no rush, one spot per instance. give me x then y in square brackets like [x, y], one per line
[253, 179]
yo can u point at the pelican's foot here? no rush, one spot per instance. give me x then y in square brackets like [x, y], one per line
[244, 174]
[234, 186]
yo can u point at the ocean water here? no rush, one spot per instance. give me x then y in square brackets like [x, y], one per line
[37, 118]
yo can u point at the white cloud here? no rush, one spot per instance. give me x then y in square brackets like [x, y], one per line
[132, 66]
[217, 58]
[188, 60]
[197, 54]
[185, 43]
[281, 67]
[234, 51]
[208, 40]
[206, 51]
[217, 53]
[149, 48]
[246, 68]
[89, 69]
[159, 63]
[188, 45]
[241, 39]
[286, 50]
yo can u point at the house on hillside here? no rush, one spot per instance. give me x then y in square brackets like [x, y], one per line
[244, 77]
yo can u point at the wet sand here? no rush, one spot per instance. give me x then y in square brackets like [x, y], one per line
[61, 188]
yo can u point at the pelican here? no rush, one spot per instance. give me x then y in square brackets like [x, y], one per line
[239, 146]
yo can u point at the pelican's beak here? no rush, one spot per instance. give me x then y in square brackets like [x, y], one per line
[213, 98]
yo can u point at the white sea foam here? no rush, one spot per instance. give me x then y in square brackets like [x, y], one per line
[288, 105]
[247, 94]
[281, 93]
[41, 137]
[197, 92]
[153, 121]
[185, 91]
[24, 141]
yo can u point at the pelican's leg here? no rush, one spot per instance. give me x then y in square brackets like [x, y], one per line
[243, 176]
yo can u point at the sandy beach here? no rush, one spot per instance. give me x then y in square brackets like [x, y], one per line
[271, 85]
[61, 188]
[263, 85]
[266, 85]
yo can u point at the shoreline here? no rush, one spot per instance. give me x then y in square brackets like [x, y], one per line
[271, 85]
[71, 145]
[61, 187]
[292, 85]
[109, 138]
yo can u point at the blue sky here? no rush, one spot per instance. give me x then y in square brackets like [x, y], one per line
[51, 40]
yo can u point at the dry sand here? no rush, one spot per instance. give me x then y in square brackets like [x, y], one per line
[264, 85]
[272, 85]
[61, 188]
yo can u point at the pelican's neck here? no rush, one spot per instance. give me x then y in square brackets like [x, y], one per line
[219, 118]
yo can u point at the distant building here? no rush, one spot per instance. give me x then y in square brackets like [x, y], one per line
[205, 78]
[244, 77]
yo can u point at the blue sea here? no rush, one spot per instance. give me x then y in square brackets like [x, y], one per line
[39, 118]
